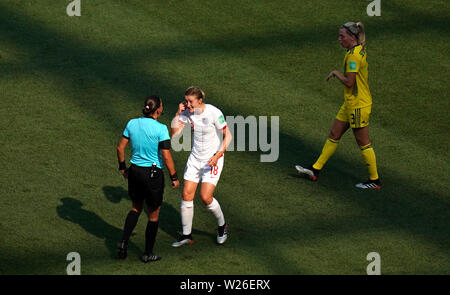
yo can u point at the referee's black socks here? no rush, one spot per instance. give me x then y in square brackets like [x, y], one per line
[150, 236]
[130, 224]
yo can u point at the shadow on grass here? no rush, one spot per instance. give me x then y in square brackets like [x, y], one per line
[115, 194]
[72, 210]
[169, 217]
[405, 204]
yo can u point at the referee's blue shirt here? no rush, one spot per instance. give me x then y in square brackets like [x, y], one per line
[145, 134]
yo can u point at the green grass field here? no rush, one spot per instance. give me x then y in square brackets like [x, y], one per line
[70, 84]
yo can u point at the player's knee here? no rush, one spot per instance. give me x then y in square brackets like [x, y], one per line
[187, 195]
[206, 198]
[334, 135]
[362, 140]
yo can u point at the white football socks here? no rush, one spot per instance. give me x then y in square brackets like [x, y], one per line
[187, 214]
[214, 207]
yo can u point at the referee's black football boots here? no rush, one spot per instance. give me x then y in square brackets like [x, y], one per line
[123, 250]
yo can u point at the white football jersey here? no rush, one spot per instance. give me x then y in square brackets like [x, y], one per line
[207, 128]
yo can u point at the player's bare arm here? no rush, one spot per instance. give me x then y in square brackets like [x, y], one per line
[347, 79]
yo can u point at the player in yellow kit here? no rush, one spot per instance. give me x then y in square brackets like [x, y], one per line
[355, 111]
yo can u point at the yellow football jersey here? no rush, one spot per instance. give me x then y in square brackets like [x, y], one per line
[355, 61]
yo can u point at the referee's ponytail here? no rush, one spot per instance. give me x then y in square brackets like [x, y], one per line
[151, 104]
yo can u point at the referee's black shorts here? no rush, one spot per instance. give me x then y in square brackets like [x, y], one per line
[141, 186]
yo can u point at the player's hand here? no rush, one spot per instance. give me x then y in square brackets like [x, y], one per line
[330, 75]
[213, 161]
[175, 184]
[182, 106]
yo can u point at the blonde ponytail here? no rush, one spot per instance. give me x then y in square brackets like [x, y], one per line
[361, 34]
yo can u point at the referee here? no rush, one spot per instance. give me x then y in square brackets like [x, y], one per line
[150, 146]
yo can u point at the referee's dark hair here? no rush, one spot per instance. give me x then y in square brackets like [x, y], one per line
[151, 104]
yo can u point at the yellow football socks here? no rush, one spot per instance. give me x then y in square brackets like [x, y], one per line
[328, 150]
[371, 162]
[367, 151]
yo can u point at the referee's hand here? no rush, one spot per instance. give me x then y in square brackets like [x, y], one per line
[124, 173]
[175, 184]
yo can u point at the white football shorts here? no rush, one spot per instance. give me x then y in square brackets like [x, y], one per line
[199, 171]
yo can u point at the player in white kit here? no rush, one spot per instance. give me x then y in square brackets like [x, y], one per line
[211, 139]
